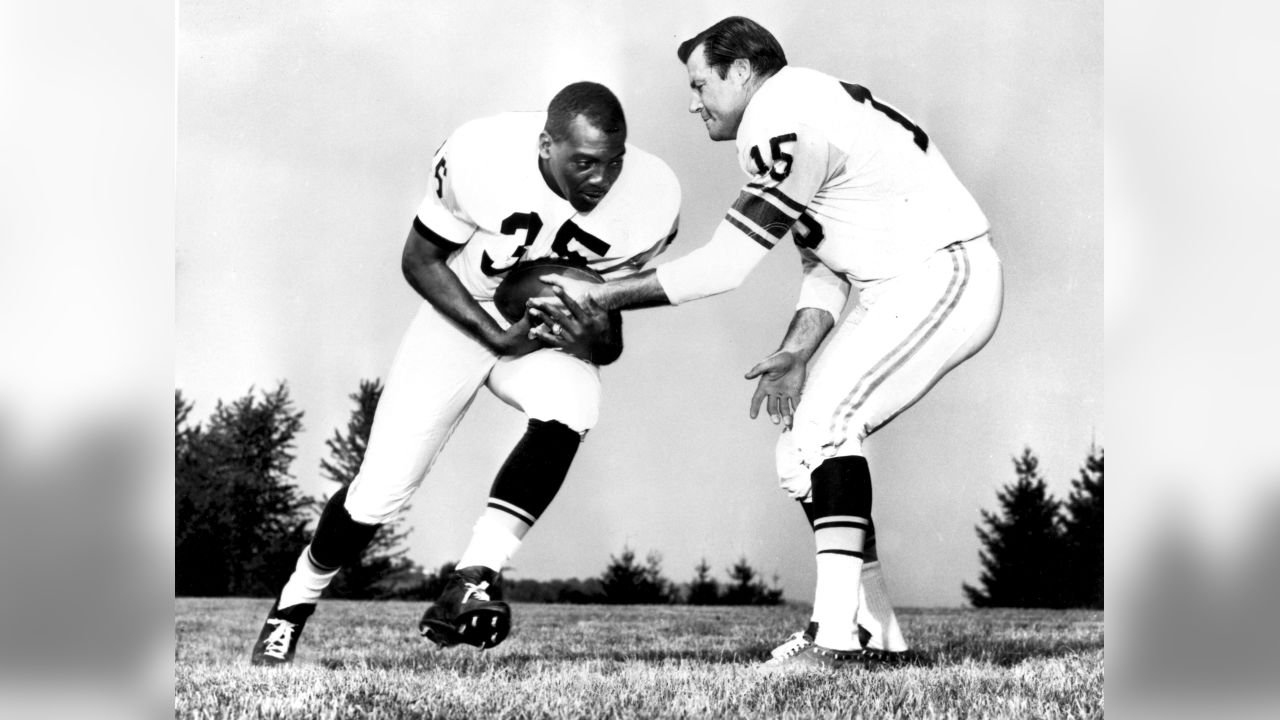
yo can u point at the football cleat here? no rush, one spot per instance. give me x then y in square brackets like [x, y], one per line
[800, 640]
[875, 657]
[278, 640]
[464, 613]
[814, 658]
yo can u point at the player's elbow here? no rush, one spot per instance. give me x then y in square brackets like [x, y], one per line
[409, 265]
[411, 268]
[418, 258]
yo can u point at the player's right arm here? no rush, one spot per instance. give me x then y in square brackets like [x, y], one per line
[424, 265]
[442, 226]
[766, 210]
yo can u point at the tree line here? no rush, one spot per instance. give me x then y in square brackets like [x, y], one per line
[625, 580]
[241, 521]
[1039, 551]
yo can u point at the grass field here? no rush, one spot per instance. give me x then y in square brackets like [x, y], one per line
[366, 660]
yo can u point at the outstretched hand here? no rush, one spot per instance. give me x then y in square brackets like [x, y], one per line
[782, 377]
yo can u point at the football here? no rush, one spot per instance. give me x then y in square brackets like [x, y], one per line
[525, 281]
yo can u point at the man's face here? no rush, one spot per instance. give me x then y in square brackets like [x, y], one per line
[585, 164]
[719, 100]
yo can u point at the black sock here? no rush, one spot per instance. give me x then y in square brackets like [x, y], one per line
[339, 540]
[534, 471]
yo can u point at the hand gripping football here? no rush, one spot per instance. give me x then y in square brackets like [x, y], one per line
[525, 281]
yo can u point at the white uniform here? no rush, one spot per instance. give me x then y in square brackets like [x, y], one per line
[871, 203]
[489, 203]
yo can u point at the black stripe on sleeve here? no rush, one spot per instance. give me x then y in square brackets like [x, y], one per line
[434, 237]
[769, 217]
[767, 242]
[775, 192]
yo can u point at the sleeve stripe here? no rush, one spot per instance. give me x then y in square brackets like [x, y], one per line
[776, 193]
[767, 242]
[763, 213]
[773, 232]
[433, 236]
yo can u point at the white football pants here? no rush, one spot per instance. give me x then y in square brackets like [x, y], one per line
[436, 373]
[902, 337]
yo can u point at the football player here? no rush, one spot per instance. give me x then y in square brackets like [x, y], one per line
[871, 204]
[504, 190]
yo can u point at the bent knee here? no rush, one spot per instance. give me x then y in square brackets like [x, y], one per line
[552, 387]
[799, 452]
[367, 504]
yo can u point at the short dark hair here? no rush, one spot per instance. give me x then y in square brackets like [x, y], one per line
[736, 37]
[593, 101]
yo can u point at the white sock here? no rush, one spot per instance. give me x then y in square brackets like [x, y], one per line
[493, 542]
[836, 594]
[875, 611]
[306, 583]
[839, 541]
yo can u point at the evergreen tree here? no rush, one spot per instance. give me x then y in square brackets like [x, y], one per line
[627, 582]
[1023, 561]
[240, 519]
[747, 588]
[1082, 530]
[704, 590]
[186, 437]
[383, 569]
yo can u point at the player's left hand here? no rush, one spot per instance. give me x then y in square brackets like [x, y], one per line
[782, 376]
[568, 325]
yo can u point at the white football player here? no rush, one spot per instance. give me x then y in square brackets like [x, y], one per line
[871, 204]
[504, 190]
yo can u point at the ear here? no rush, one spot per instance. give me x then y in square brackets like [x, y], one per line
[740, 70]
[544, 145]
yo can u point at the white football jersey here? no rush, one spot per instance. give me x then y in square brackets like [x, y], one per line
[488, 200]
[856, 182]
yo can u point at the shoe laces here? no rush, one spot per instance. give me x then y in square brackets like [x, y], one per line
[277, 643]
[477, 591]
[793, 645]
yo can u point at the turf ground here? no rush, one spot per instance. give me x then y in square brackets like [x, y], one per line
[366, 660]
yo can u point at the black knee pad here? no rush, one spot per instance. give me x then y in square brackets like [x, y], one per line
[339, 540]
[536, 468]
[842, 486]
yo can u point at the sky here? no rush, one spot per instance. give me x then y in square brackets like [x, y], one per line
[304, 135]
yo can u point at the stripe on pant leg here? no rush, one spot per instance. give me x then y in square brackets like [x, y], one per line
[906, 349]
[898, 412]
